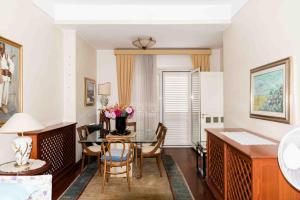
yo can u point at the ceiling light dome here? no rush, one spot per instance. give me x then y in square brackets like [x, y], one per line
[144, 42]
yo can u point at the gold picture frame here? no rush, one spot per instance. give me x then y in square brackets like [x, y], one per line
[12, 101]
[89, 91]
[270, 91]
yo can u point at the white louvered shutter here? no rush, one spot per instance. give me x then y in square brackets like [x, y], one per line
[175, 93]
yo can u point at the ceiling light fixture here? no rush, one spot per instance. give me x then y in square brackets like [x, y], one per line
[144, 42]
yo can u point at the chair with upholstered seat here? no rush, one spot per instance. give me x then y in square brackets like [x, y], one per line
[131, 125]
[93, 150]
[154, 151]
[104, 121]
[117, 157]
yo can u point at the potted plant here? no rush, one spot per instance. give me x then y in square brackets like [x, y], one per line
[120, 114]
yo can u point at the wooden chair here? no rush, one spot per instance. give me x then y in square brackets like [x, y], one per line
[104, 121]
[93, 150]
[131, 124]
[114, 157]
[154, 151]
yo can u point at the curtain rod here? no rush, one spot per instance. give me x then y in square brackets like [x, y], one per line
[163, 51]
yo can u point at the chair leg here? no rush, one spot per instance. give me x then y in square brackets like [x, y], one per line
[99, 164]
[141, 165]
[104, 178]
[127, 176]
[82, 161]
[108, 174]
[158, 160]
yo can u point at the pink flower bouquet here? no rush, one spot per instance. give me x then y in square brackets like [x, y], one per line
[119, 111]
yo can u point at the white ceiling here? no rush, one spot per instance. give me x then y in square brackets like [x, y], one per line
[173, 23]
[166, 36]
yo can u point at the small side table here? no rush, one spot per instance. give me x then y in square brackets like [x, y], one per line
[35, 167]
[201, 158]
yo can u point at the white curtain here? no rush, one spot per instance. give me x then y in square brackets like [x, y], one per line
[145, 94]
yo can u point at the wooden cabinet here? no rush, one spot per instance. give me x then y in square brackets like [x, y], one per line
[56, 145]
[244, 172]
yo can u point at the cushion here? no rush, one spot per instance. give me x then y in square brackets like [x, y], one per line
[16, 191]
[94, 148]
[148, 149]
[116, 155]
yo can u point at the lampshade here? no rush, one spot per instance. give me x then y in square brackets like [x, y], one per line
[21, 122]
[104, 89]
[144, 42]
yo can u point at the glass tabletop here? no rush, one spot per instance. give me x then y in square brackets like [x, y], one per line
[134, 137]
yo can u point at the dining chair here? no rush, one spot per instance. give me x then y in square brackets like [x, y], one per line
[92, 150]
[104, 121]
[131, 124]
[154, 151]
[117, 157]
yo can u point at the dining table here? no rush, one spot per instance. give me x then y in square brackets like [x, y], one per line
[139, 138]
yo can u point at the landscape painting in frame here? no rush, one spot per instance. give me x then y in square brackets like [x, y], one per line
[10, 79]
[90, 92]
[270, 86]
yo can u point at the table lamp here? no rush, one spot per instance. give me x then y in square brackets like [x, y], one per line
[22, 145]
[104, 91]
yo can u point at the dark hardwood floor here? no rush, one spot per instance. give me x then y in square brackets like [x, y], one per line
[185, 159]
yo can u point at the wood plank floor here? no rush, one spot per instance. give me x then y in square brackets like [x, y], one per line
[185, 159]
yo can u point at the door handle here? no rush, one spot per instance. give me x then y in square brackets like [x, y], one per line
[203, 115]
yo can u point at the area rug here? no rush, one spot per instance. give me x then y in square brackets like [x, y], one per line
[151, 186]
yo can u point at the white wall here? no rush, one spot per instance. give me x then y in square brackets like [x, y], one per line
[25, 24]
[262, 32]
[86, 66]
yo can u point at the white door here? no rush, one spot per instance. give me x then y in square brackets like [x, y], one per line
[211, 101]
[175, 107]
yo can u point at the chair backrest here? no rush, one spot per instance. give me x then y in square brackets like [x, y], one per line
[104, 121]
[160, 140]
[83, 134]
[126, 151]
[131, 124]
[159, 126]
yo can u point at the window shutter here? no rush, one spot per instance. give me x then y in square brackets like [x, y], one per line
[176, 107]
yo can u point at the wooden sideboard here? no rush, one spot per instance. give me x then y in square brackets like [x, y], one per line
[244, 172]
[56, 145]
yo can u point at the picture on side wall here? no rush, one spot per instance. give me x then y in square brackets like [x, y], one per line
[11, 97]
[270, 88]
[90, 92]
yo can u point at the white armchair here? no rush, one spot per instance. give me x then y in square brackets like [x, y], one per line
[26, 187]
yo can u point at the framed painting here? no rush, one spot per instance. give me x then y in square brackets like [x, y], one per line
[269, 90]
[90, 92]
[11, 80]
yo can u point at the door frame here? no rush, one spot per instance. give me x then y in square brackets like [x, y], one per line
[199, 96]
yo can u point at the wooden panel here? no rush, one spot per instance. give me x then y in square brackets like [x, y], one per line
[239, 175]
[163, 51]
[215, 166]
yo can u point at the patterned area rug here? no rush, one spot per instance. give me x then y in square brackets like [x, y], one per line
[151, 186]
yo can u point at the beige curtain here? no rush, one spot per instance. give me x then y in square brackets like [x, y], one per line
[201, 62]
[125, 64]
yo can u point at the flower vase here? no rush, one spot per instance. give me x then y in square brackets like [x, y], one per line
[121, 125]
